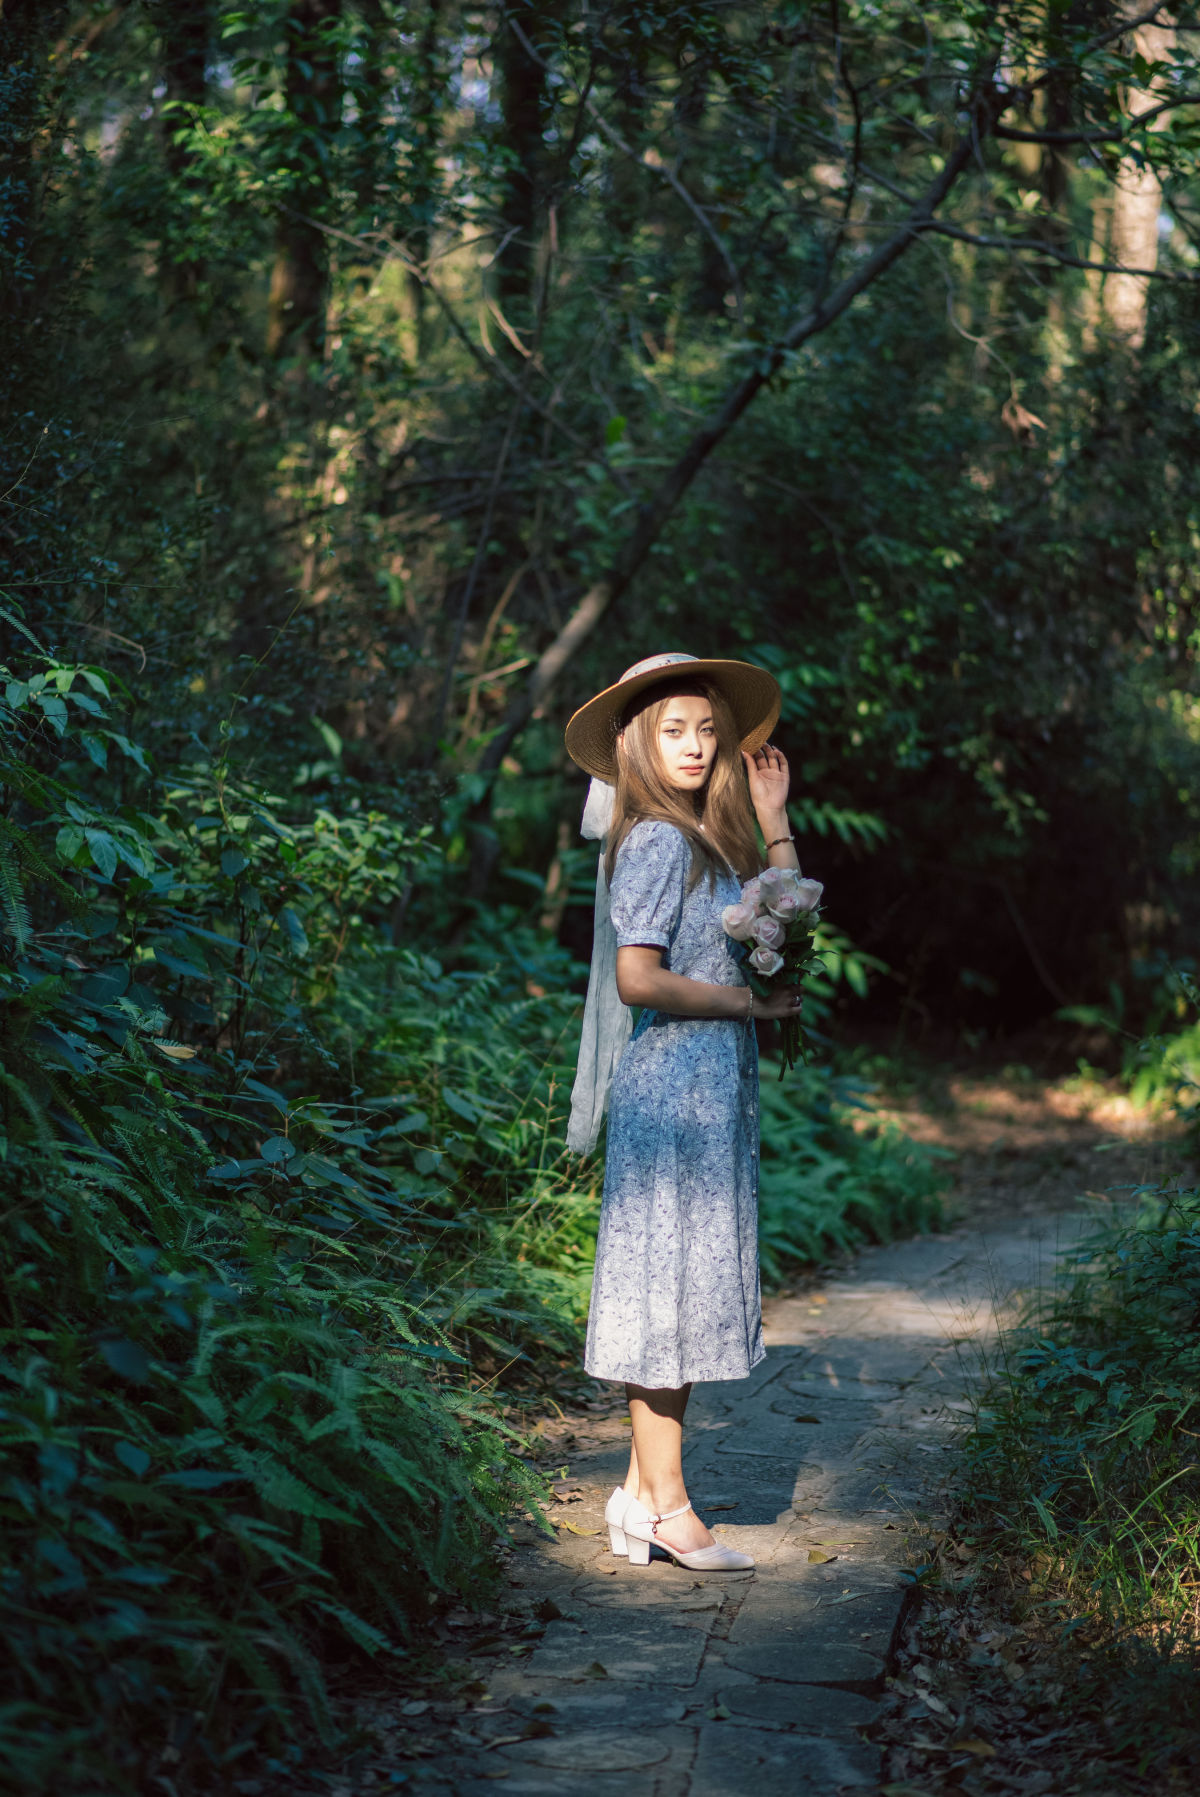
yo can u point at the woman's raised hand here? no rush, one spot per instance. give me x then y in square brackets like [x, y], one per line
[767, 774]
[784, 1001]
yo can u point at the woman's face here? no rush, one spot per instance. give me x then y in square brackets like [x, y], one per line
[687, 742]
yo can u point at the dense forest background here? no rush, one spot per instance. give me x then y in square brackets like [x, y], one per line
[370, 396]
[379, 381]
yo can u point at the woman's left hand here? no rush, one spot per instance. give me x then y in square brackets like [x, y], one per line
[767, 773]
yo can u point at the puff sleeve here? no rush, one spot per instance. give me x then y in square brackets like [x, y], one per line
[649, 885]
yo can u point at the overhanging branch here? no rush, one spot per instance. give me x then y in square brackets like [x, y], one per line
[653, 515]
[1033, 247]
[1098, 134]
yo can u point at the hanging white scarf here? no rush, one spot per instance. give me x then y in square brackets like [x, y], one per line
[607, 1023]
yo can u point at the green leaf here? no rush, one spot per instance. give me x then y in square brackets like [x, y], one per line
[136, 1459]
[462, 1107]
[103, 851]
[70, 842]
[201, 1478]
[329, 737]
[294, 929]
[126, 1358]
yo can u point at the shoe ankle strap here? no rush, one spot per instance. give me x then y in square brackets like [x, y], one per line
[666, 1517]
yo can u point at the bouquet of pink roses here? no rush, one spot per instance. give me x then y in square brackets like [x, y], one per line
[774, 922]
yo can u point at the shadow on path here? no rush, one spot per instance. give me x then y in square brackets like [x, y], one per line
[662, 1683]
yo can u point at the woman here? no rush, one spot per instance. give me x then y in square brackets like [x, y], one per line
[676, 1294]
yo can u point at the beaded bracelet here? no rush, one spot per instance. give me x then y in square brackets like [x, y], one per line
[778, 840]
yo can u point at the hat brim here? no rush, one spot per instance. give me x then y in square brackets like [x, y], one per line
[751, 693]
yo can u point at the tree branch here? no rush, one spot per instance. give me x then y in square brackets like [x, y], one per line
[653, 515]
[654, 168]
[1100, 134]
[489, 366]
[1031, 246]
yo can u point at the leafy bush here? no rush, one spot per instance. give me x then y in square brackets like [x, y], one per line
[827, 1185]
[234, 1419]
[1082, 1459]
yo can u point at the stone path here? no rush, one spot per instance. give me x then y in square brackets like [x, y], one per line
[656, 1682]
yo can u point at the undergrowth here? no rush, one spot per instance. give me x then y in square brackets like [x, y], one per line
[1083, 1483]
[284, 1205]
[831, 1177]
[239, 1426]
[1084, 1454]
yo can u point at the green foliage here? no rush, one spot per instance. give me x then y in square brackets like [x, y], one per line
[277, 1193]
[1082, 1458]
[234, 1421]
[831, 1177]
[984, 631]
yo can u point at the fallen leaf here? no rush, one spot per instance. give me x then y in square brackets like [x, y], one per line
[983, 1749]
[562, 1523]
[806, 1417]
[718, 1713]
[596, 1670]
[817, 1558]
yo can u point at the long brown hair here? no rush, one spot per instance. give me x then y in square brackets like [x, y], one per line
[643, 791]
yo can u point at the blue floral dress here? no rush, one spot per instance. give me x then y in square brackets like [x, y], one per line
[676, 1293]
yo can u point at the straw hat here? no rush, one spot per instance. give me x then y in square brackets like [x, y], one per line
[751, 694]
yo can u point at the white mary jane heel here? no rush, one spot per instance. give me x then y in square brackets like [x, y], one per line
[640, 1529]
[614, 1515]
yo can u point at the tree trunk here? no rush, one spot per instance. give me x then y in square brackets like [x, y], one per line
[522, 99]
[28, 30]
[627, 199]
[425, 120]
[183, 46]
[313, 96]
[1137, 201]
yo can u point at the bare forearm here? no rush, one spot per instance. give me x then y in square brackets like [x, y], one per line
[657, 989]
[774, 824]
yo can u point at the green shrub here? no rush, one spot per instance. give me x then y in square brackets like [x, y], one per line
[827, 1186]
[1083, 1457]
[236, 1422]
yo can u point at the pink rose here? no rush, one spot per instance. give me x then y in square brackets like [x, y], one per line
[765, 961]
[772, 880]
[809, 893]
[739, 921]
[768, 932]
[751, 894]
[785, 906]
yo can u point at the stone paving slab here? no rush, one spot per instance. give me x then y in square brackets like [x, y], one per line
[656, 1682]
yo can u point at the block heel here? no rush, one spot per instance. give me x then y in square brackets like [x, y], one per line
[614, 1516]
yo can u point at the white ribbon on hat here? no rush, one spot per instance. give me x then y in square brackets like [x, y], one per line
[607, 1023]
